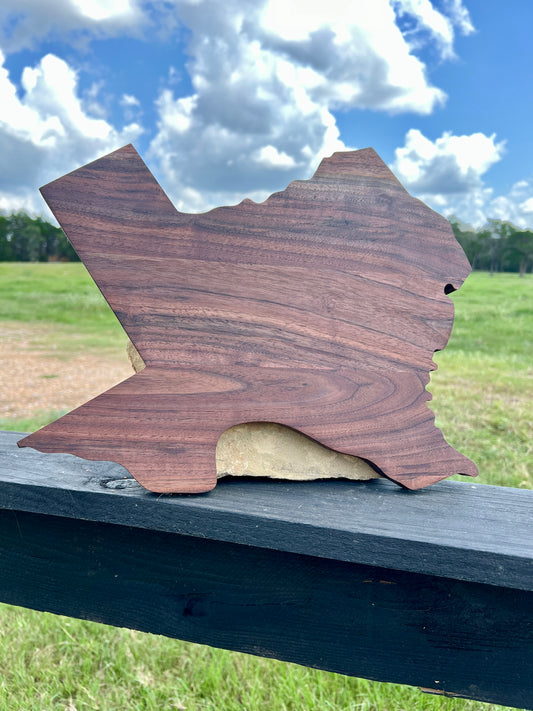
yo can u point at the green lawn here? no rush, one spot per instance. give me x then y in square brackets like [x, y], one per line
[64, 296]
[482, 398]
[483, 389]
[52, 663]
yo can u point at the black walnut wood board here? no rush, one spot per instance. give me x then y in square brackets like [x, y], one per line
[319, 309]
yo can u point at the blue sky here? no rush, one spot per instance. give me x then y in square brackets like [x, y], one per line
[234, 99]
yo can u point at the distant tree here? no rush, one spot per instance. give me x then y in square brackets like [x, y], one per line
[497, 246]
[65, 251]
[49, 238]
[494, 239]
[6, 253]
[469, 240]
[520, 251]
[25, 238]
[55, 243]
[32, 239]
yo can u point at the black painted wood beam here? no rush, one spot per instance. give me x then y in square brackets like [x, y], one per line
[431, 588]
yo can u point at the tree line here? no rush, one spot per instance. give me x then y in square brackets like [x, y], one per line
[497, 247]
[32, 239]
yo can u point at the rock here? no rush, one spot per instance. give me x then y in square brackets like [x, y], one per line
[271, 450]
[266, 449]
[135, 359]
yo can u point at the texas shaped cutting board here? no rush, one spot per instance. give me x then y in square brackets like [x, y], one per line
[319, 309]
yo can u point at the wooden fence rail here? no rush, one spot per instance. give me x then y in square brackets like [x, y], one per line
[431, 588]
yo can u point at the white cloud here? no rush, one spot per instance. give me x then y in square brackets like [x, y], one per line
[270, 157]
[448, 173]
[459, 15]
[47, 131]
[129, 100]
[438, 25]
[131, 107]
[354, 54]
[516, 206]
[266, 78]
[450, 164]
[24, 22]
[249, 120]
[429, 18]
[104, 10]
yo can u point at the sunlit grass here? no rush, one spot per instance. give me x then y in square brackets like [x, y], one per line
[62, 303]
[52, 662]
[483, 388]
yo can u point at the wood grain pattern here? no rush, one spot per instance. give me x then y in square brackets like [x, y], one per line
[319, 309]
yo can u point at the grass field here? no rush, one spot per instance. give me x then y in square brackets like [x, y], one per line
[61, 295]
[483, 389]
[482, 399]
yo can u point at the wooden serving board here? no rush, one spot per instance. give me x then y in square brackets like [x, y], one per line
[319, 309]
